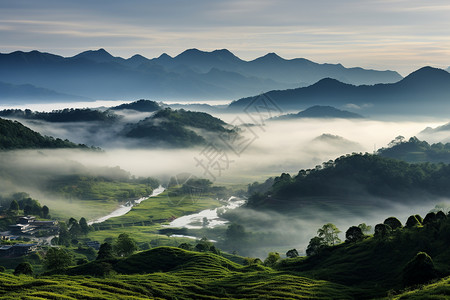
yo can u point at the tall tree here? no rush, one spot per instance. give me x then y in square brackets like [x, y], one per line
[124, 246]
[329, 232]
[84, 227]
[105, 251]
[57, 259]
[45, 211]
[14, 206]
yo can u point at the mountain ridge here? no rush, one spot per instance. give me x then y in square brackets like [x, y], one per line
[98, 74]
[413, 93]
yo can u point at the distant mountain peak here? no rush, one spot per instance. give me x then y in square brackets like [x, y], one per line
[100, 55]
[165, 56]
[328, 83]
[428, 75]
[271, 57]
[218, 54]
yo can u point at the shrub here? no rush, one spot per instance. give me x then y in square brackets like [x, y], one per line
[419, 270]
[429, 218]
[292, 253]
[272, 259]
[393, 222]
[354, 234]
[23, 268]
[382, 230]
[412, 222]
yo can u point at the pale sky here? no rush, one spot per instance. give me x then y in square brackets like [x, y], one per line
[401, 35]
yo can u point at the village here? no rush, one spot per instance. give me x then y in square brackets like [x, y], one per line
[27, 228]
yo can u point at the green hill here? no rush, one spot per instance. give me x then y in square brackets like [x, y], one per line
[357, 179]
[377, 263]
[176, 274]
[14, 135]
[415, 150]
[177, 128]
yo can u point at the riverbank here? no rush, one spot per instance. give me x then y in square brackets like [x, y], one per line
[124, 209]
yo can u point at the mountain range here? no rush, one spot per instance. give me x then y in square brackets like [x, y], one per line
[193, 74]
[426, 90]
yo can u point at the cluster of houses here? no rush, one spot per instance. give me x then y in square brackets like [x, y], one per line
[30, 226]
[17, 249]
[26, 225]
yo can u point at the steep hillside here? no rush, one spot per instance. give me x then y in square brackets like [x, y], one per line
[13, 135]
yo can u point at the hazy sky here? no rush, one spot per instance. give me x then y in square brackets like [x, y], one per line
[402, 35]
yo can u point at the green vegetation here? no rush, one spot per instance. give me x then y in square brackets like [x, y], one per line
[172, 128]
[376, 265]
[416, 151]
[85, 187]
[358, 177]
[14, 135]
[172, 273]
[437, 290]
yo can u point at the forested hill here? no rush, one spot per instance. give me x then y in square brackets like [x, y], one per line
[14, 135]
[357, 176]
[415, 150]
[177, 128]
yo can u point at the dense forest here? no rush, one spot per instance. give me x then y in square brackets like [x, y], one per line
[415, 150]
[360, 176]
[14, 135]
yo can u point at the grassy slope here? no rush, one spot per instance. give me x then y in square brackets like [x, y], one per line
[144, 220]
[437, 290]
[185, 275]
[375, 266]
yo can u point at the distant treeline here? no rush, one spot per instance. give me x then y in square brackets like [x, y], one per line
[64, 115]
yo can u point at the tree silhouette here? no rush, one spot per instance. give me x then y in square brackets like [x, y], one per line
[354, 234]
[23, 268]
[329, 232]
[292, 253]
[393, 222]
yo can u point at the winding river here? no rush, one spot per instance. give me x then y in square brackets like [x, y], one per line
[195, 221]
[123, 209]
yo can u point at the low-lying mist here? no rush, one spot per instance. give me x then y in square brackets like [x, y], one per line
[280, 232]
[263, 151]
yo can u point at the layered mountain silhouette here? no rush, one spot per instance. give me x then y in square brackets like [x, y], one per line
[31, 93]
[193, 74]
[319, 111]
[425, 90]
